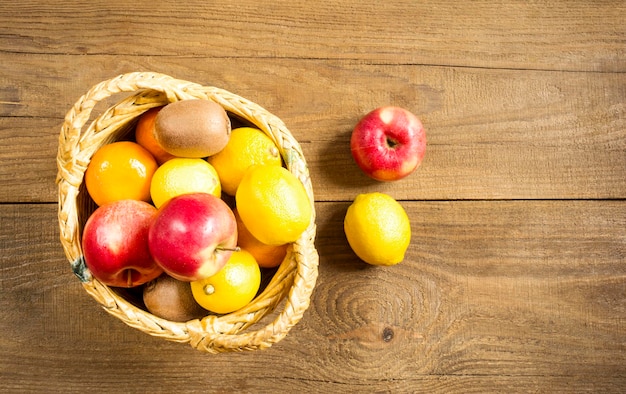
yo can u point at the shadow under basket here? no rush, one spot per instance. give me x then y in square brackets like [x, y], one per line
[283, 301]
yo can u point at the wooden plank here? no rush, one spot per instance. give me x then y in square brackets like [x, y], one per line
[28, 150]
[511, 295]
[250, 375]
[559, 35]
[492, 134]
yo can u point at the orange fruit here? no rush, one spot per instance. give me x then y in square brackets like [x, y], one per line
[273, 204]
[268, 256]
[118, 171]
[182, 175]
[247, 146]
[144, 135]
[232, 288]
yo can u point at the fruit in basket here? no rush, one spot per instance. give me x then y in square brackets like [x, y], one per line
[378, 229]
[183, 175]
[144, 135]
[119, 171]
[192, 128]
[193, 235]
[115, 244]
[232, 288]
[267, 256]
[273, 204]
[171, 299]
[247, 146]
[388, 143]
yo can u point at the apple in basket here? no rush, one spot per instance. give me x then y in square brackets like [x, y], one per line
[388, 143]
[193, 236]
[115, 244]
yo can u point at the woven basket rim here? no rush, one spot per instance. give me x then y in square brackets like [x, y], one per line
[295, 278]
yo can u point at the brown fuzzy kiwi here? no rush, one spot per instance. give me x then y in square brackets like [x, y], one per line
[192, 128]
[171, 299]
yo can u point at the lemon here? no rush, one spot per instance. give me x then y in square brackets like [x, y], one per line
[232, 288]
[273, 204]
[247, 146]
[181, 176]
[378, 229]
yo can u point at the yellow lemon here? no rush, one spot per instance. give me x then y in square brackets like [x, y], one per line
[247, 146]
[378, 229]
[273, 205]
[232, 288]
[181, 176]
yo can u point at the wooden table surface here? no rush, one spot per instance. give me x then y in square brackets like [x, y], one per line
[515, 279]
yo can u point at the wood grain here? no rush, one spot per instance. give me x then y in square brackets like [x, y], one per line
[515, 278]
[562, 35]
[492, 134]
[491, 294]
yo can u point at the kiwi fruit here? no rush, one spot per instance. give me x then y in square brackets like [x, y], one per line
[192, 128]
[171, 299]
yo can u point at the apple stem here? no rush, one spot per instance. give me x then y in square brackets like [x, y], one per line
[235, 249]
[129, 278]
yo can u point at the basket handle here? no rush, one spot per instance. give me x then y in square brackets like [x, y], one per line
[78, 115]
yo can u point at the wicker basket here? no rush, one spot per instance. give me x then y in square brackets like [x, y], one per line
[289, 290]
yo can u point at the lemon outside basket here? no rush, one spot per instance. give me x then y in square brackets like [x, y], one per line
[288, 293]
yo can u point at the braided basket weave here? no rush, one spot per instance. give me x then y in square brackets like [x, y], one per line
[290, 287]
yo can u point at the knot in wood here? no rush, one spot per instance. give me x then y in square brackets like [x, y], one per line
[387, 334]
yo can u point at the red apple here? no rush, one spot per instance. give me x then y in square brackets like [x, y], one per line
[115, 244]
[388, 143]
[193, 236]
